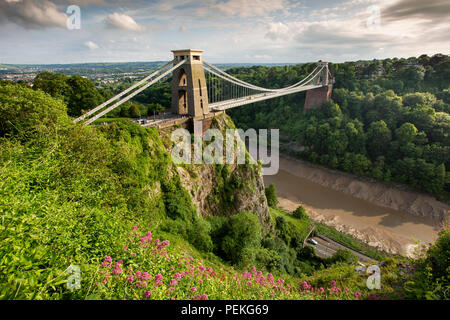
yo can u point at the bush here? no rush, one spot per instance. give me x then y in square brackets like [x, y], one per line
[300, 213]
[198, 235]
[342, 256]
[242, 231]
[271, 195]
[23, 110]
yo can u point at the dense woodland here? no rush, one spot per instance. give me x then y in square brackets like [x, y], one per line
[388, 120]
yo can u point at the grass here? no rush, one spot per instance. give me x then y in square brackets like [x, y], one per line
[349, 241]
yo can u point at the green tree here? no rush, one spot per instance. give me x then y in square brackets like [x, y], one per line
[406, 133]
[271, 195]
[378, 138]
[243, 231]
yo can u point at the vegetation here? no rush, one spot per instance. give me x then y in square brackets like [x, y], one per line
[87, 196]
[271, 195]
[388, 120]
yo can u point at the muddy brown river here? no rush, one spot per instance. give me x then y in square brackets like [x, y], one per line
[391, 230]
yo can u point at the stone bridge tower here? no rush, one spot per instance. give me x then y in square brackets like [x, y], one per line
[316, 97]
[189, 91]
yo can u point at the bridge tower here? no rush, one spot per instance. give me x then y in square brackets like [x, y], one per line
[316, 97]
[189, 91]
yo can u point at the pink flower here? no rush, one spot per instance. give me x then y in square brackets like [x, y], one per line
[158, 279]
[145, 276]
[193, 289]
[117, 269]
[204, 297]
[147, 294]
[125, 248]
[130, 278]
[107, 259]
[177, 276]
[333, 283]
[173, 282]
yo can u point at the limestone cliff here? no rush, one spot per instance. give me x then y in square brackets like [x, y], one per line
[223, 190]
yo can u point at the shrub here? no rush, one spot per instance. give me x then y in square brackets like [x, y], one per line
[271, 195]
[23, 110]
[300, 213]
[342, 256]
[198, 235]
[242, 231]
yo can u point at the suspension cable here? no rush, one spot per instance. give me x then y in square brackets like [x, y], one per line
[84, 116]
[257, 87]
[134, 93]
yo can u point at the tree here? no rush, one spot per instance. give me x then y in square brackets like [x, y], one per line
[243, 231]
[77, 92]
[134, 111]
[84, 95]
[53, 84]
[378, 138]
[271, 195]
[300, 213]
[406, 133]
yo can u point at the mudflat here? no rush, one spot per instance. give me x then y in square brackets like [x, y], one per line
[382, 216]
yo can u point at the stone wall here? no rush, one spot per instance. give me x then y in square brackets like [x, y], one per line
[316, 97]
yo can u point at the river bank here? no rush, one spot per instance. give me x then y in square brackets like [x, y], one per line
[390, 219]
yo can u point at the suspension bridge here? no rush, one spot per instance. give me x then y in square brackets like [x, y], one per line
[201, 90]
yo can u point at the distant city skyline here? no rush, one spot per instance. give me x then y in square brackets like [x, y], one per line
[230, 31]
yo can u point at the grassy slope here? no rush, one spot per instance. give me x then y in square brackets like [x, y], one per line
[71, 194]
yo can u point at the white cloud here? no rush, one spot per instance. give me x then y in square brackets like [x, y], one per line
[124, 22]
[246, 8]
[91, 45]
[32, 14]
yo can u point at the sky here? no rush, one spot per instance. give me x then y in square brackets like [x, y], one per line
[247, 31]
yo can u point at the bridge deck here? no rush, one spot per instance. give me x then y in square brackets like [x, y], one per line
[232, 103]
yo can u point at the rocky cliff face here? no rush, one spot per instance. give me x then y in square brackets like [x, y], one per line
[223, 190]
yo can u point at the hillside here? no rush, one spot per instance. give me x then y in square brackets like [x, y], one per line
[104, 199]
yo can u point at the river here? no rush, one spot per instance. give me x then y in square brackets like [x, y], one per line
[391, 230]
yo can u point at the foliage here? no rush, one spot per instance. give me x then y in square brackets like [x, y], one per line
[271, 195]
[77, 92]
[300, 213]
[389, 125]
[429, 277]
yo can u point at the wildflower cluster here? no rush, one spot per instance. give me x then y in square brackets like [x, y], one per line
[148, 271]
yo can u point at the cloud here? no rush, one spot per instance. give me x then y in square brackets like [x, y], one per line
[124, 22]
[91, 45]
[434, 10]
[277, 30]
[32, 14]
[245, 8]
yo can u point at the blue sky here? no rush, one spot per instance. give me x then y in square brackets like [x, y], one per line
[35, 31]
